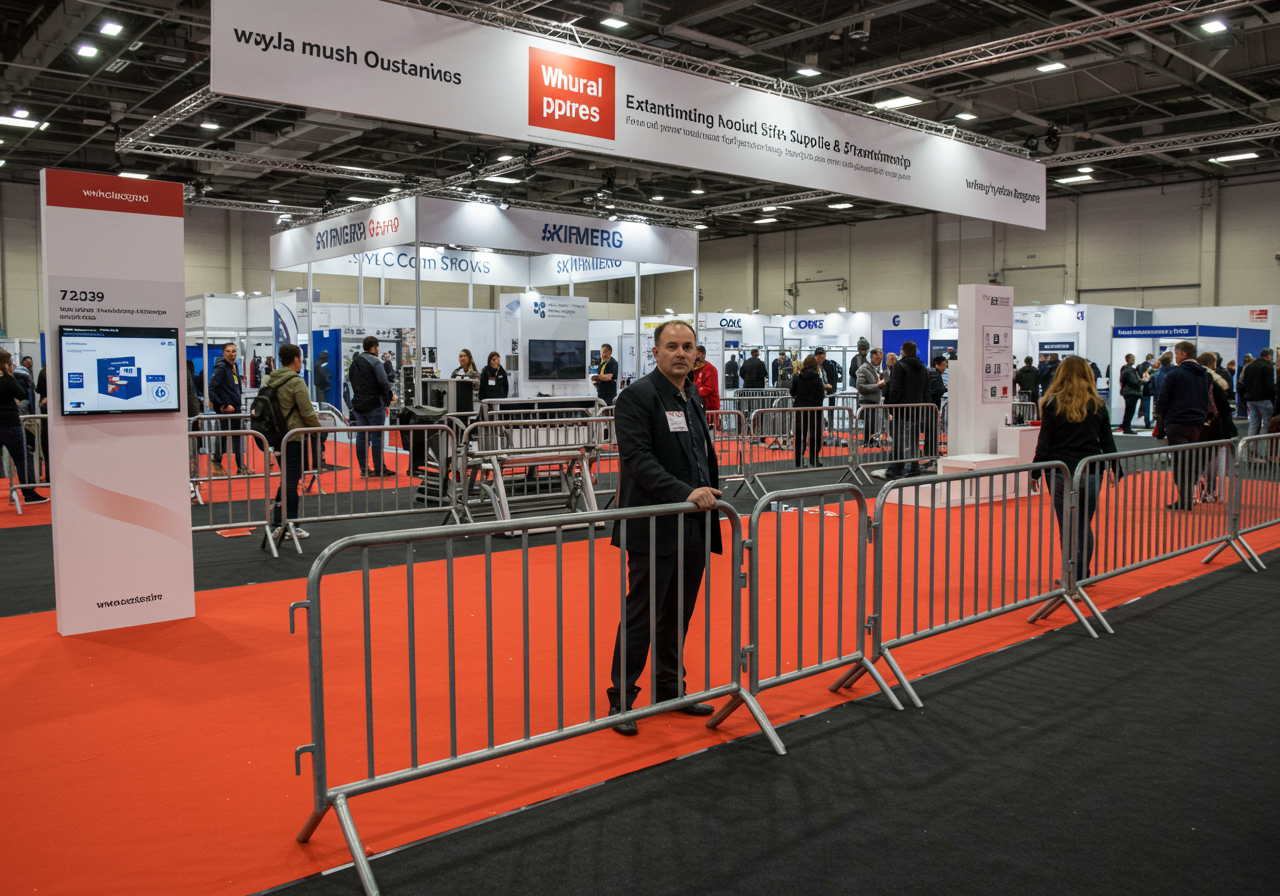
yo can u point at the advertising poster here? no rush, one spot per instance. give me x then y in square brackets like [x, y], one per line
[997, 364]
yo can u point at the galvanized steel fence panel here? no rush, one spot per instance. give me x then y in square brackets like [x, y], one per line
[233, 501]
[784, 441]
[539, 465]
[895, 434]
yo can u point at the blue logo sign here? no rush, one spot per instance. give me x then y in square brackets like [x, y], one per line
[540, 309]
[75, 380]
[160, 392]
[897, 320]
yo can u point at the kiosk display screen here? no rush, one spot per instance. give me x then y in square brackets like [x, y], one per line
[119, 370]
[557, 359]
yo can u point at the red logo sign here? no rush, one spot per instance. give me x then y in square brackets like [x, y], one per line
[570, 94]
[103, 192]
[1257, 316]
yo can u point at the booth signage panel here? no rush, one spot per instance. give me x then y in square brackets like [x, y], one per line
[398, 263]
[389, 224]
[553, 270]
[526, 230]
[378, 59]
[1154, 332]
[113, 258]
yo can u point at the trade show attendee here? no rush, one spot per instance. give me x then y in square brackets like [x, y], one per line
[1258, 386]
[321, 377]
[869, 380]
[493, 379]
[777, 366]
[731, 373]
[1157, 375]
[371, 396]
[706, 379]
[298, 411]
[832, 375]
[1228, 372]
[937, 385]
[23, 373]
[1051, 367]
[466, 368]
[1042, 367]
[11, 438]
[908, 384]
[606, 379]
[1131, 392]
[665, 456]
[42, 394]
[1027, 380]
[753, 371]
[1144, 406]
[861, 357]
[1182, 406]
[225, 398]
[1242, 409]
[389, 365]
[808, 391]
[889, 361]
[1218, 424]
[1074, 424]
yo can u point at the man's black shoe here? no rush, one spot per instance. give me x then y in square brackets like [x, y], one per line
[1177, 505]
[626, 729]
[697, 709]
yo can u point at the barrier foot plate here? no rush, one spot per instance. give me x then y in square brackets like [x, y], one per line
[312, 823]
[847, 678]
[361, 861]
[902, 679]
[1245, 557]
[884, 685]
[725, 711]
[1248, 547]
[1044, 609]
[1102, 620]
[269, 541]
[763, 721]
[1049, 606]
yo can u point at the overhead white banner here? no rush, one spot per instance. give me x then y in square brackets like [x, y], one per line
[382, 60]
[389, 224]
[555, 270]
[526, 230]
[450, 266]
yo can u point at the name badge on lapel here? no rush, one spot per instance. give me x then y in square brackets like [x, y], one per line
[677, 422]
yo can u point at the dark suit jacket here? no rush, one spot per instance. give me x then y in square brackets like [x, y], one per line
[655, 465]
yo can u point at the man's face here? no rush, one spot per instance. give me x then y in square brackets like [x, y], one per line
[821, 356]
[675, 353]
[1179, 357]
[702, 356]
[230, 354]
[28, 363]
[875, 357]
[942, 367]
[607, 353]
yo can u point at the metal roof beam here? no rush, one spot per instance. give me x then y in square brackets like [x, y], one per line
[1165, 144]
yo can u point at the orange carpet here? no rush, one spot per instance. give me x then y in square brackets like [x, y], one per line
[159, 759]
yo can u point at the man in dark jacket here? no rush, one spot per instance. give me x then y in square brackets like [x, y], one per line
[1027, 379]
[908, 384]
[1144, 406]
[1258, 388]
[1183, 405]
[831, 376]
[371, 395]
[753, 371]
[1046, 376]
[666, 456]
[1130, 391]
[225, 398]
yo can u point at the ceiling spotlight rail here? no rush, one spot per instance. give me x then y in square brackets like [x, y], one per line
[755, 205]
[1121, 21]
[1165, 144]
[296, 166]
[239, 205]
[179, 112]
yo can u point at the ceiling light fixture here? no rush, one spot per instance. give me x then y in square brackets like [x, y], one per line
[505, 157]
[1071, 301]
[210, 125]
[356, 199]
[840, 205]
[1051, 67]
[769, 208]
[844, 310]
[657, 197]
[499, 179]
[807, 72]
[765, 221]
[503, 204]
[670, 311]
[21, 113]
[697, 188]
[1217, 26]
[136, 175]
[1074, 179]
[813, 310]
[87, 50]
[952, 307]
[966, 116]
[110, 29]
[613, 23]
[699, 226]
[1085, 170]
[1238, 157]
[44, 126]
[274, 201]
[898, 102]
[613, 217]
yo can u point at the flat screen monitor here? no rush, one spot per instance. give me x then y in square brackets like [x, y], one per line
[119, 370]
[557, 359]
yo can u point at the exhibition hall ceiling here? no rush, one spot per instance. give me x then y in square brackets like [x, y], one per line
[1108, 95]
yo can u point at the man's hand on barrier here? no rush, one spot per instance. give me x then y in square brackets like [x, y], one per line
[704, 498]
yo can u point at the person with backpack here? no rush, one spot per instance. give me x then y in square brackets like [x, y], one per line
[290, 406]
[371, 397]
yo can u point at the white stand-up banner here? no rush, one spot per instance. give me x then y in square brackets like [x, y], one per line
[393, 61]
[113, 264]
[980, 386]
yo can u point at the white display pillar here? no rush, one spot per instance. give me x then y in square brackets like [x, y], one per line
[113, 258]
[980, 382]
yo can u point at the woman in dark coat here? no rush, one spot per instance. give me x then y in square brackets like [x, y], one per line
[493, 379]
[808, 391]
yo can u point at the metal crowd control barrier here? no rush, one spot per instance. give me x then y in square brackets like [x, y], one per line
[967, 546]
[424, 483]
[784, 441]
[1256, 496]
[505, 663]
[1024, 412]
[538, 465]
[33, 443]
[729, 435]
[831, 632]
[539, 408]
[748, 401]
[239, 501]
[219, 440]
[895, 435]
[1137, 508]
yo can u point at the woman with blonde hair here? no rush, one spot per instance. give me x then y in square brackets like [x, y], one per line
[1075, 425]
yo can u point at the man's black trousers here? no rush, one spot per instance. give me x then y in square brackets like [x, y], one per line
[669, 626]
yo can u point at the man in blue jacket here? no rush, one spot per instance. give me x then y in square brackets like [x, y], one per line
[1183, 405]
[225, 398]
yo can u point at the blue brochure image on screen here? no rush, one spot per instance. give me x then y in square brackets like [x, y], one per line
[119, 378]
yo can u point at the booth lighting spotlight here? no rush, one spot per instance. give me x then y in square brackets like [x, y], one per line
[110, 29]
[1051, 67]
[671, 311]
[356, 199]
[952, 307]
[898, 102]
[813, 310]
[769, 208]
[210, 125]
[844, 310]
[87, 50]
[613, 23]
[440, 249]
[284, 218]
[505, 157]
[657, 196]
[1085, 170]
[699, 226]
[1238, 157]
[1071, 301]
[966, 116]
[613, 217]
[697, 188]
[807, 72]
[240, 293]
[503, 204]
[1217, 26]
[610, 205]
[840, 205]
[136, 175]
[394, 190]
[1077, 179]
[500, 179]
[274, 201]
[17, 122]
[21, 113]
[765, 221]
[1052, 139]
[257, 293]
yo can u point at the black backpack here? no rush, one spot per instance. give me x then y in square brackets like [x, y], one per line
[267, 417]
